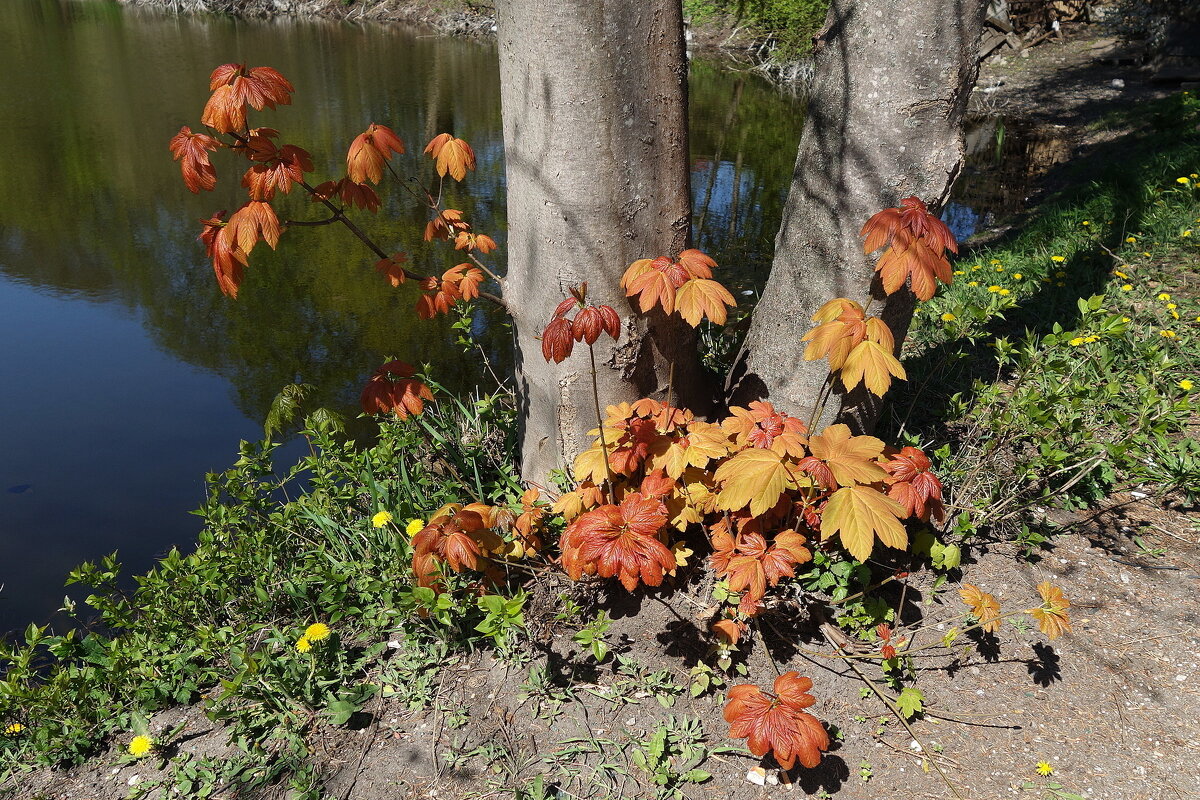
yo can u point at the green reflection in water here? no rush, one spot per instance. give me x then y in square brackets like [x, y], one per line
[101, 90]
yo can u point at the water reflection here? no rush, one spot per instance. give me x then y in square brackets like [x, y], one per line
[128, 374]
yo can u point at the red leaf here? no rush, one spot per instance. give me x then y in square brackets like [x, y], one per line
[557, 340]
[368, 152]
[778, 723]
[191, 151]
[392, 268]
[620, 542]
[392, 389]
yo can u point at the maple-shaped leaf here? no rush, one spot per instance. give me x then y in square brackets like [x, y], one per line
[727, 630]
[191, 151]
[392, 389]
[870, 363]
[392, 268]
[756, 566]
[447, 225]
[913, 484]
[467, 279]
[777, 723]
[252, 222]
[224, 112]
[842, 327]
[357, 194]
[756, 478]
[984, 607]
[591, 321]
[261, 87]
[851, 459]
[761, 425]
[653, 286]
[453, 156]
[697, 263]
[699, 298]
[558, 340]
[918, 243]
[286, 166]
[369, 151]
[228, 261]
[859, 514]
[795, 544]
[459, 536]
[530, 521]
[621, 542]
[1052, 617]
[472, 241]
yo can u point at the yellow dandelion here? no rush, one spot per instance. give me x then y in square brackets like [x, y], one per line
[16, 727]
[1130, 239]
[414, 526]
[381, 519]
[1078, 340]
[959, 272]
[1193, 176]
[1186, 234]
[1184, 181]
[993, 288]
[1004, 292]
[995, 261]
[1171, 306]
[303, 644]
[1058, 259]
[1184, 384]
[1127, 288]
[1174, 314]
[1043, 768]
[1147, 255]
[948, 317]
[1164, 296]
[976, 268]
[1085, 222]
[1126, 319]
[316, 632]
[973, 283]
[140, 746]
[1120, 274]
[1017, 276]
[1167, 334]
[999, 269]
[1090, 339]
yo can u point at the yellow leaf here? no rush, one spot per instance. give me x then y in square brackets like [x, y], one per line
[984, 607]
[755, 477]
[590, 465]
[870, 363]
[850, 458]
[859, 514]
[699, 298]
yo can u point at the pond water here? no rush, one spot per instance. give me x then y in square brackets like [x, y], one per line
[127, 375]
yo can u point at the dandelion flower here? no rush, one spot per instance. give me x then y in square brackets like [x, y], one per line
[1174, 315]
[1126, 319]
[993, 288]
[1120, 274]
[414, 527]
[1184, 181]
[316, 632]
[1167, 334]
[1164, 296]
[1017, 276]
[1186, 234]
[303, 645]
[140, 746]
[1004, 292]
[999, 269]
[1058, 259]
[1078, 340]
[1085, 222]
[1130, 239]
[1127, 288]
[995, 262]
[1184, 384]
[1044, 768]
[16, 727]
[1090, 339]
[948, 317]
[381, 519]
[973, 283]
[959, 272]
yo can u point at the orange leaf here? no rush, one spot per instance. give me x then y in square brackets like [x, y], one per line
[621, 542]
[1052, 617]
[699, 298]
[393, 389]
[392, 268]
[918, 243]
[869, 363]
[254, 221]
[191, 151]
[454, 156]
[778, 724]
[653, 287]
[368, 152]
[984, 607]
[697, 263]
[842, 327]
[753, 477]
[858, 514]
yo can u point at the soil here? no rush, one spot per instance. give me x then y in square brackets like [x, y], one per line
[1113, 707]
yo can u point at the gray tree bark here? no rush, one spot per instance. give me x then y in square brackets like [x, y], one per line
[884, 122]
[594, 98]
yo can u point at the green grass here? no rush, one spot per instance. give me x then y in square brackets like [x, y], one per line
[788, 24]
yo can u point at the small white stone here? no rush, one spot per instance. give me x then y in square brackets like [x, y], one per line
[757, 776]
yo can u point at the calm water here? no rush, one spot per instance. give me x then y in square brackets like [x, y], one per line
[126, 375]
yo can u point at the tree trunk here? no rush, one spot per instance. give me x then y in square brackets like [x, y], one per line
[594, 98]
[884, 122]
